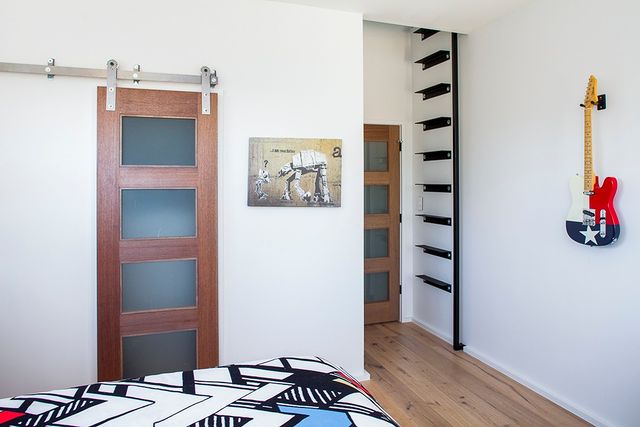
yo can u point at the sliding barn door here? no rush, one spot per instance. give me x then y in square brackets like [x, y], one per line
[157, 234]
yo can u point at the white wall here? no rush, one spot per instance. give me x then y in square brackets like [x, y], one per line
[387, 101]
[559, 316]
[290, 279]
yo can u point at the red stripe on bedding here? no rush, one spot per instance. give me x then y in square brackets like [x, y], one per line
[6, 416]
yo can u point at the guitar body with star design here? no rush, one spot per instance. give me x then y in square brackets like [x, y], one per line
[592, 219]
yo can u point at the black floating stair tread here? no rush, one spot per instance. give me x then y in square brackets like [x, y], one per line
[436, 188]
[425, 33]
[435, 282]
[434, 59]
[436, 90]
[435, 155]
[431, 250]
[438, 122]
[434, 219]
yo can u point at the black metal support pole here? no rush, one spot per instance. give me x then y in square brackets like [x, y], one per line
[457, 345]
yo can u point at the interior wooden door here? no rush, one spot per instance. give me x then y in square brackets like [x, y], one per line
[381, 223]
[157, 234]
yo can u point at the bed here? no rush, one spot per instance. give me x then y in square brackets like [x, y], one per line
[288, 391]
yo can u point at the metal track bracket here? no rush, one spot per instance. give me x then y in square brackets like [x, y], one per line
[207, 79]
[50, 63]
[136, 70]
[112, 77]
[205, 73]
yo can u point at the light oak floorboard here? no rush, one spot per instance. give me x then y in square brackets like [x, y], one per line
[421, 381]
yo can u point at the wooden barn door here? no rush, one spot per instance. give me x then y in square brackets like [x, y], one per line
[157, 234]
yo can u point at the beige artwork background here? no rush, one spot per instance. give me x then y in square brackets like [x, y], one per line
[279, 152]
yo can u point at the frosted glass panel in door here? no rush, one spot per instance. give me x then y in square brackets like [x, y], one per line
[156, 141]
[376, 158]
[157, 353]
[159, 284]
[376, 243]
[148, 214]
[376, 287]
[376, 199]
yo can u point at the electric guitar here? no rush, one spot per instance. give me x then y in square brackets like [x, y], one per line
[592, 219]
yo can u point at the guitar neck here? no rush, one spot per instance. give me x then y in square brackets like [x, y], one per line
[589, 175]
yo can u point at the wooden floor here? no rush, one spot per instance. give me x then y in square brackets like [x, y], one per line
[421, 381]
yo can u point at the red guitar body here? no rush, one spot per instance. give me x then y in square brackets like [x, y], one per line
[592, 219]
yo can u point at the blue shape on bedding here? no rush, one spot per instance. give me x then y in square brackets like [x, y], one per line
[316, 417]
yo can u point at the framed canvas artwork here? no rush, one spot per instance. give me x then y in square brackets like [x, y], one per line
[296, 172]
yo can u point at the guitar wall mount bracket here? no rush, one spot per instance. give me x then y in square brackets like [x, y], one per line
[601, 104]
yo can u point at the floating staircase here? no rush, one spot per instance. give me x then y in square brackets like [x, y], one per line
[438, 203]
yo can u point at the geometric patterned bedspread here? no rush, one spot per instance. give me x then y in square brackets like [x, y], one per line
[289, 391]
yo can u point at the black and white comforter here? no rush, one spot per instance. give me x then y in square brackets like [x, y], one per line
[306, 392]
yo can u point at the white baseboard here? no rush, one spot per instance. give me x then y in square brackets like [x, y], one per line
[560, 401]
[563, 402]
[437, 332]
[362, 376]
[406, 319]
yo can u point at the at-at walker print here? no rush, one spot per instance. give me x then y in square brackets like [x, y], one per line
[295, 172]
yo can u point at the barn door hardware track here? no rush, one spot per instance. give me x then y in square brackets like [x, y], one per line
[207, 79]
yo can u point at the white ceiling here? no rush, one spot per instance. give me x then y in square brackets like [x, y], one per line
[461, 16]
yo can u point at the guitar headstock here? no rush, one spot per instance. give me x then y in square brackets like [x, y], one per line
[591, 95]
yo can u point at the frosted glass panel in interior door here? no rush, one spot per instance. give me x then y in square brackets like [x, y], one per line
[376, 158]
[376, 287]
[158, 285]
[158, 353]
[376, 243]
[158, 213]
[158, 141]
[376, 199]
